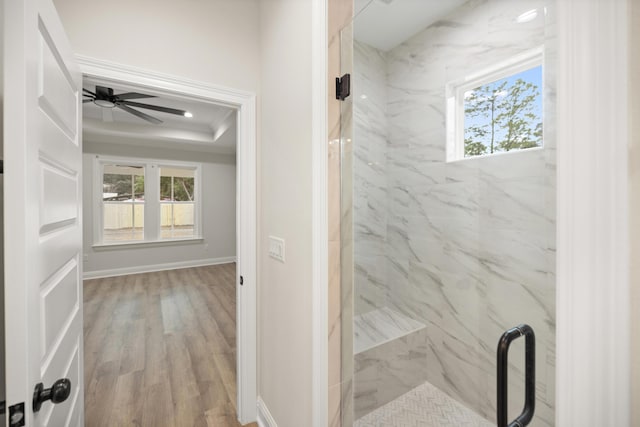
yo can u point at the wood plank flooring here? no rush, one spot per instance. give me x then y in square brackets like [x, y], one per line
[160, 349]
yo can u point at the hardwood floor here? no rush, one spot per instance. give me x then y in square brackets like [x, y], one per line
[160, 349]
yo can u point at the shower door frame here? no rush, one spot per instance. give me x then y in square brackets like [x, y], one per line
[593, 288]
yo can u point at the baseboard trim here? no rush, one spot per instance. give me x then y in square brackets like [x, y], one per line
[265, 419]
[99, 274]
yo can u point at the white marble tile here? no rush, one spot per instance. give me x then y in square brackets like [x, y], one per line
[387, 371]
[347, 402]
[466, 248]
[335, 406]
[380, 326]
[370, 201]
[346, 234]
[370, 282]
[424, 406]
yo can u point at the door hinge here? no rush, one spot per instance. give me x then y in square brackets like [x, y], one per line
[16, 415]
[241, 280]
[343, 87]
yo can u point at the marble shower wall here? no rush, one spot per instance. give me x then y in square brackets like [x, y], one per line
[340, 14]
[466, 247]
[346, 232]
[370, 176]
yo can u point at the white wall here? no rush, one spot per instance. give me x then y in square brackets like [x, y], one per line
[284, 317]
[2, 347]
[261, 46]
[634, 213]
[218, 212]
[213, 41]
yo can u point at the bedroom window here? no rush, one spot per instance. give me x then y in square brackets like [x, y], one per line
[122, 203]
[496, 110]
[141, 201]
[177, 202]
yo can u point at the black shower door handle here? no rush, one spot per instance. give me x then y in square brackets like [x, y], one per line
[530, 376]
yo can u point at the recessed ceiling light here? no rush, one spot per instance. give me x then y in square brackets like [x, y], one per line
[188, 114]
[527, 16]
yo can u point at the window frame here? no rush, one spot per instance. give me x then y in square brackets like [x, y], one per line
[152, 205]
[454, 94]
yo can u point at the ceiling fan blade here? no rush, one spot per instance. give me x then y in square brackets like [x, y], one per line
[133, 95]
[103, 92]
[139, 114]
[84, 101]
[88, 91]
[155, 107]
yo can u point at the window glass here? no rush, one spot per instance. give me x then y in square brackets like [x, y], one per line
[183, 189]
[122, 203]
[177, 203]
[504, 115]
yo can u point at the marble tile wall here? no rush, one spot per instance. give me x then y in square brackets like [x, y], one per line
[339, 15]
[347, 231]
[371, 198]
[387, 371]
[467, 247]
[379, 326]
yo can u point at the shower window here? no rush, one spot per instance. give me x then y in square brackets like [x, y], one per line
[497, 110]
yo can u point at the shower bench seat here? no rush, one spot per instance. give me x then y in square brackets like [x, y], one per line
[381, 326]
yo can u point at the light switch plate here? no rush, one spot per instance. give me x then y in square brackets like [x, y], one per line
[276, 248]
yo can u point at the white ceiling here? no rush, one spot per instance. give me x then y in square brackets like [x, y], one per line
[211, 129]
[384, 24]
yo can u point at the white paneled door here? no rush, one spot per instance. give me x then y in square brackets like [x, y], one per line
[43, 221]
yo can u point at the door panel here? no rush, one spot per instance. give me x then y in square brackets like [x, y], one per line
[43, 222]
[59, 197]
[56, 91]
[59, 305]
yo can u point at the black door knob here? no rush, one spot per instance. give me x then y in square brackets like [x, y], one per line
[58, 392]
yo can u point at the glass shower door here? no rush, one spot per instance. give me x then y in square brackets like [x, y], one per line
[448, 209]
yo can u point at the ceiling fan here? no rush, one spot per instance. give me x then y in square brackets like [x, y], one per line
[105, 98]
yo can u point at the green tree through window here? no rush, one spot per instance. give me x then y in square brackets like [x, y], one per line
[183, 188]
[504, 115]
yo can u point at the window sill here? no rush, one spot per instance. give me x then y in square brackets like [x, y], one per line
[497, 154]
[146, 244]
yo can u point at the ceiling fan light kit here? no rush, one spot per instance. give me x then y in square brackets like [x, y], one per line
[104, 103]
[105, 98]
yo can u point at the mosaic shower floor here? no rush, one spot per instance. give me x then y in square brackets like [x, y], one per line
[424, 406]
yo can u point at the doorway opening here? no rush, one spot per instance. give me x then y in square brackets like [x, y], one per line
[181, 243]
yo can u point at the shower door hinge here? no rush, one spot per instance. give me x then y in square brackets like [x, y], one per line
[343, 87]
